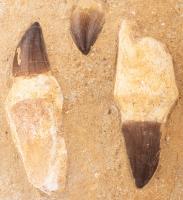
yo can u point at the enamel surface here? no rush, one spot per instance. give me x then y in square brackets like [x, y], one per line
[34, 111]
[31, 56]
[145, 87]
[87, 20]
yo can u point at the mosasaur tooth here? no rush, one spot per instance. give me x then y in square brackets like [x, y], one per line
[87, 20]
[145, 91]
[34, 113]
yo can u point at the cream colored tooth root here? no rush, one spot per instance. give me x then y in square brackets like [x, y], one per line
[34, 113]
[145, 91]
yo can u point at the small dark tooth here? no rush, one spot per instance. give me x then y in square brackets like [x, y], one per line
[86, 24]
[30, 56]
[143, 148]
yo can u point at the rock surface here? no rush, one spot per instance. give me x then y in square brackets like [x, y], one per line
[145, 87]
[34, 110]
[98, 166]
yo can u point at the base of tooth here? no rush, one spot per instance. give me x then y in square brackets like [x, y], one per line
[34, 113]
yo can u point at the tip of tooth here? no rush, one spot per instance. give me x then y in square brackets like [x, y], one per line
[86, 24]
[85, 51]
[31, 56]
[143, 148]
[36, 24]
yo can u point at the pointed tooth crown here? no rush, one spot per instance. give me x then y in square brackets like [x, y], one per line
[31, 56]
[86, 23]
[143, 148]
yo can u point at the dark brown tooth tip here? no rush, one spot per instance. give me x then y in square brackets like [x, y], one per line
[31, 56]
[143, 148]
[86, 24]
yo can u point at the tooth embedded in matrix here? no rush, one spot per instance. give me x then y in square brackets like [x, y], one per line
[34, 112]
[145, 91]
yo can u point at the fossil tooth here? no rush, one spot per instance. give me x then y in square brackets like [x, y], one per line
[143, 147]
[31, 57]
[145, 91]
[34, 113]
[87, 21]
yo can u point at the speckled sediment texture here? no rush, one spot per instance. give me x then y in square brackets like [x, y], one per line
[98, 164]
